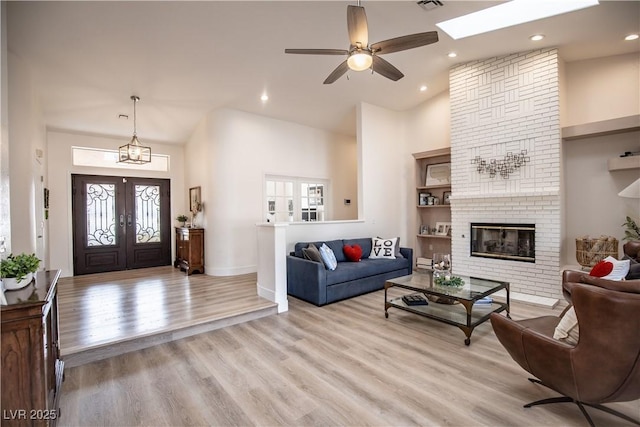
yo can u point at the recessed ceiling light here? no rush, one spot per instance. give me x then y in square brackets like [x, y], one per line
[264, 98]
[536, 37]
[423, 88]
[452, 55]
[508, 14]
[631, 37]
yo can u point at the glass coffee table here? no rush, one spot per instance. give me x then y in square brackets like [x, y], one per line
[462, 306]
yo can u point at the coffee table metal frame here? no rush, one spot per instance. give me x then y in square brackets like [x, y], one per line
[475, 289]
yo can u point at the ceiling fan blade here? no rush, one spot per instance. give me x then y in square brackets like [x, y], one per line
[337, 73]
[357, 25]
[318, 51]
[384, 68]
[405, 42]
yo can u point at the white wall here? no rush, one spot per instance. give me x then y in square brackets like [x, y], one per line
[426, 127]
[229, 154]
[5, 200]
[381, 183]
[593, 206]
[26, 134]
[598, 89]
[602, 88]
[59, 156]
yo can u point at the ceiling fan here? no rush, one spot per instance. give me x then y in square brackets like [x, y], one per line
[361, 55]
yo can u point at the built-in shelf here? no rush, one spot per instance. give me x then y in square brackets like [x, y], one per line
[433, 187]
[431, 216]
[433, 236]
[605, 127]
[432, 153]
[623, 163]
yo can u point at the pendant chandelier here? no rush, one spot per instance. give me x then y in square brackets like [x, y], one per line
[133, 152]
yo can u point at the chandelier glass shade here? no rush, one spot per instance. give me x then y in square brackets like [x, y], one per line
[134, 152]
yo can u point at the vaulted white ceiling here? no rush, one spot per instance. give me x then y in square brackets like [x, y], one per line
[184, 59]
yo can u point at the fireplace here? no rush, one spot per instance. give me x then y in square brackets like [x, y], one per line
[515, 242]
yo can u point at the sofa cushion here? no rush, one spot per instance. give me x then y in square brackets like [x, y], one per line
[620, 269]
[397, 252]
[328, 257]
[384, 248]
[312, 253]
[353, 253]
[334, 245]
[364, 243]
[348, 271]
[568, 329]
[601, 269]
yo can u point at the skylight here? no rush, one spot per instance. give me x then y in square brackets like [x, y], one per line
[508, 14]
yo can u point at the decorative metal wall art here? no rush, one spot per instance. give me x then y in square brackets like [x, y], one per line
[505, 167]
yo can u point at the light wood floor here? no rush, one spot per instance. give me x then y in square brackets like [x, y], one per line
[107, 314]
[341, 364]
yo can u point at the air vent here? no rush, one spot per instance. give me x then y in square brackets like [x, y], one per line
[429, 4]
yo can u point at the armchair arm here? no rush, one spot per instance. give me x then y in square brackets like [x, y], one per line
[306, 280]
[408, 254]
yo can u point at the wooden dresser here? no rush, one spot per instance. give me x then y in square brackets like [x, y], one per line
[32, 371]
[190, 249]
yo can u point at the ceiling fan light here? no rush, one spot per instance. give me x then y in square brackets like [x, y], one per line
[359, 61]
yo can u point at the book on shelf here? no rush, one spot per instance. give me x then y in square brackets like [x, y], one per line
[424, 263]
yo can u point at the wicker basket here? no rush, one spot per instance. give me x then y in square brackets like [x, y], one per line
[589, 252]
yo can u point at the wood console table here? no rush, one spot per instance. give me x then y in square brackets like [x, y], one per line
[190, 249]
[32, 371]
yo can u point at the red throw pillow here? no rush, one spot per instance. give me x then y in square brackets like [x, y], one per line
[353, 253]
[601, 269]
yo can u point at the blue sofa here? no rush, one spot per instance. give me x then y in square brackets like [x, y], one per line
[312, 282]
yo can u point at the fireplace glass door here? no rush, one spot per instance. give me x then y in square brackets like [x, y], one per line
[514, 242]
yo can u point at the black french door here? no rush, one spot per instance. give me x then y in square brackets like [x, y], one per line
[120, 223]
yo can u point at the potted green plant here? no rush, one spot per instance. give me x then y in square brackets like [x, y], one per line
[182, 218]
[17, 271]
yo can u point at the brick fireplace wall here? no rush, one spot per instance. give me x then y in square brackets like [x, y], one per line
[505, 105]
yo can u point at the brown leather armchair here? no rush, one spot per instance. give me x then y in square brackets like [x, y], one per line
[632, 249]
[605, 364]
[570, 277]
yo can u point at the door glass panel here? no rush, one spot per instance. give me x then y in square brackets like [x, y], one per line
[147, 208]
[101, 214]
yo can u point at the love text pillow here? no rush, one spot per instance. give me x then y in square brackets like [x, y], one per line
[383, 248]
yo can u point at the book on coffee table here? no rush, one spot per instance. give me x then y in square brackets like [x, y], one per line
[415, 299]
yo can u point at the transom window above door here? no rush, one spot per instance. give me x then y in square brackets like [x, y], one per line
[292, 199]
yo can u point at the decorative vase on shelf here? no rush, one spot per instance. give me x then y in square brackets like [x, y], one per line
[441, 265]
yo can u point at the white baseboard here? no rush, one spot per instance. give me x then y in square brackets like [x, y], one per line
[528, 299]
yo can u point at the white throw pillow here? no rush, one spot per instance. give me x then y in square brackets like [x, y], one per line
[620, 268]
[328, 257]
[383, 248]
[568, 330]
